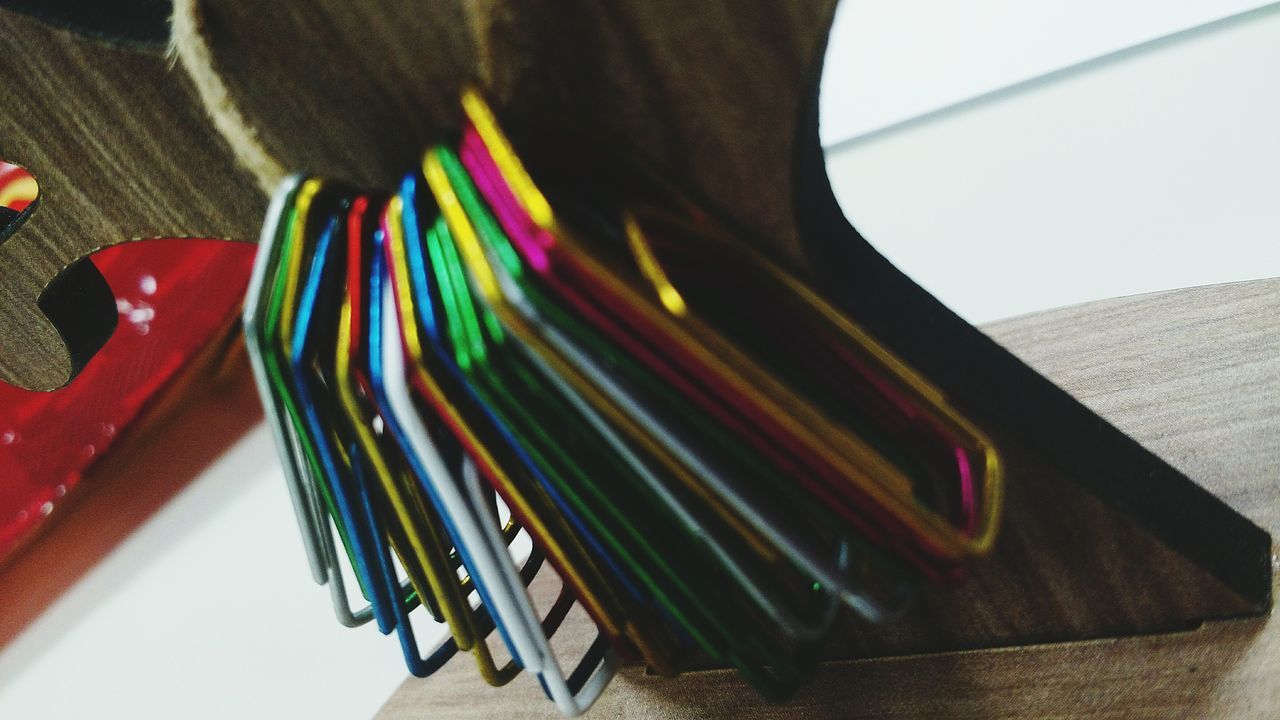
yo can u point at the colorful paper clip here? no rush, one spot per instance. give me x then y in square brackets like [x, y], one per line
[711, 459]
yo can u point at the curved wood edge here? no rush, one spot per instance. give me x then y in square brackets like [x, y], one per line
[349, 91]
[142, 24]
[122, 150]
[711, 98]
[1192, 373]
[125, 146]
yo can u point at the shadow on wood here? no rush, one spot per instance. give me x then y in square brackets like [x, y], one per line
[1206, 355]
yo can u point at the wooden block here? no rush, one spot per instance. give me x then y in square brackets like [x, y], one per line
[1192, 373]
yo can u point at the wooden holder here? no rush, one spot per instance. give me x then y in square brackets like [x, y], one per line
[1205, 357]
[1101, 538]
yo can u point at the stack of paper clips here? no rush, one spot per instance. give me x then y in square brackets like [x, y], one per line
[711, 459]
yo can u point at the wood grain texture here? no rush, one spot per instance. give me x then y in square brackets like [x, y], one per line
[1158, 368]
[1162, 383]
[122, 150]
[348, 91]
[710, 91]
[1194, 373]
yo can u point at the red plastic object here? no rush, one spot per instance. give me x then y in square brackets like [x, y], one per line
[17, 187]
[174, 297]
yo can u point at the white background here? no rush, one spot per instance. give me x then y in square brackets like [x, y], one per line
[1150, 168]
[1153, 168]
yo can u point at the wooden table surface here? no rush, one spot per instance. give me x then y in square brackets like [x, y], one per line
[1192, 374]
